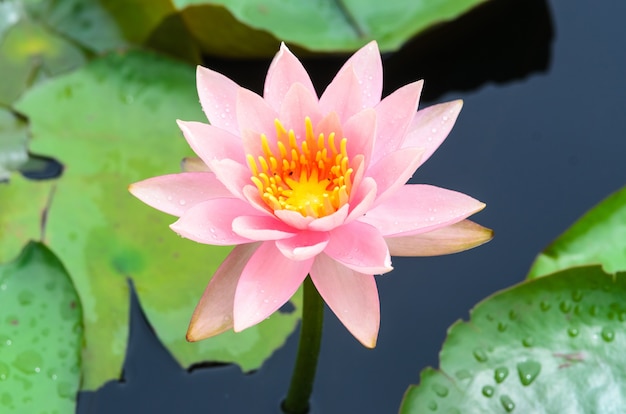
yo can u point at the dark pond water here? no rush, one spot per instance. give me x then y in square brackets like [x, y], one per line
[541, 139]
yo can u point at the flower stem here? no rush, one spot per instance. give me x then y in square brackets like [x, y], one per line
[303, 377]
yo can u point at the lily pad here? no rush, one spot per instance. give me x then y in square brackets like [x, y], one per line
[253, 27]
[599, 237]
[549, 345]
[113, 124]
[40, 334]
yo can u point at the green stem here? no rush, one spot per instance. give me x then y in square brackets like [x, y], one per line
[303, 377]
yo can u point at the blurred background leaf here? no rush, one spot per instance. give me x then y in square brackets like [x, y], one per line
[40, 336]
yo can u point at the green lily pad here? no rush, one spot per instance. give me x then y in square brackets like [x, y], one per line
[549, 345]
[253, 28]
[599, 237]
[113, 124]
[40, 334]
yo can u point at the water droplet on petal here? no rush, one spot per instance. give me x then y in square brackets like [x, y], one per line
[528, 371]
[507, 403]
[182, 202]
[607, 334]
[500, 374]
[488, 391]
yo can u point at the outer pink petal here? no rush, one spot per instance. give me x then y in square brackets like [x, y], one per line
[266, 283]
[211, 222]
[284, 71]
[221, 151]
[304, 245]
[454, 238]
[343, 95]
[298, 104]
[368, 67]
[261, 228]
[214, 313]
[359, 247]
[394, 116]
[393, 171]
[352, 296]
[176, 193]
[362, 199]
[360, 131]
[218, 96]
[420, 208]
[255, 115]
[431, 126]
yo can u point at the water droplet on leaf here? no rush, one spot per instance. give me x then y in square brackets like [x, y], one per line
[507, 403]
[28, 362]
[500, 374]
[607, 334]
[440, 390]
[487, 391]
[528, 371]
[480, 355]
[572, 332]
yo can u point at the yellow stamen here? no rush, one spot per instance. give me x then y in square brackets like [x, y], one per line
[311, 177]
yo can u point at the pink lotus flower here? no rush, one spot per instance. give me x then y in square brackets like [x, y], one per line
[303, 185]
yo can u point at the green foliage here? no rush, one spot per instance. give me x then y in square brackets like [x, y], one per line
[599, 237]
[113, 123]
[549, 345]
[40, 334]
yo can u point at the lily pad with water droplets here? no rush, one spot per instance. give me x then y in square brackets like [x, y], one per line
[114, 123]
[599, 237]
[40, 334]
[549, 345]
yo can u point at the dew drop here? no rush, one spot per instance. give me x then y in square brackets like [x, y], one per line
[266, 301]
[64, 389]
[5, 341]
[502, 326]
[6, 399]
[488, 391]
[432, 406]
[4, 371]
[593, 310]
[622, 316]
[565, 306]
[512, 315]
[572, 332]
[440, 390]
[445, 117]
[480, 355]
[169, 198]
[507, 403]
[545, 305]
[182, 202]
[29, 362]
[528, 341]
[607, 334]
[223, 115]
[500, 374]
[3, 286]
[25, 297]
[463, 374]
[434, 130]
[577, 295]
[528, 371]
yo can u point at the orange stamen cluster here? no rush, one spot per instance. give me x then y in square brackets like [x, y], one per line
[312, 177]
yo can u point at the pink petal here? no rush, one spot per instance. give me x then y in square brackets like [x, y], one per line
[255, 116]
[359, 247]
[294, 219]
[454, 238]
[368, 68]
[212, 143]
[362, 199]
[420, 208]
[266, 283]
[251, 195]
[214, 312]
[394, 116]
[352, 296]
[284, 71]
[298, 104]
[343, 95]
[304, 245]
[431, 126]
[211, 222]
[330, 221]
[360, 131]
[176, 193]
[218, 96]
[330, 124]
[394, 170]
[261, 228]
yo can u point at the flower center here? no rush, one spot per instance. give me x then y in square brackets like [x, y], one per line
[312, 177]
